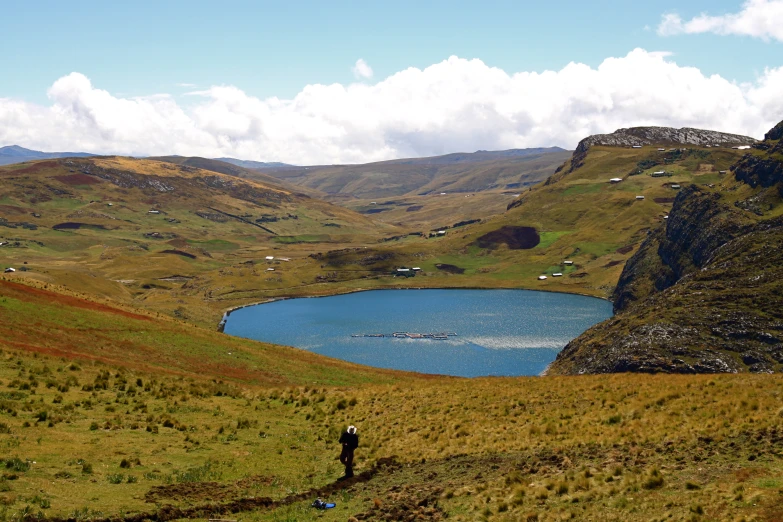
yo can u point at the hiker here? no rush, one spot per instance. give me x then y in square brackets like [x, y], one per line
[350, 441]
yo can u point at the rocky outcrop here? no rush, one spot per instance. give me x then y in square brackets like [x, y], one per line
[704, 292]
[665, 136]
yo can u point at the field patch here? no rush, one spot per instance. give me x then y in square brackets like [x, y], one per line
[514, 237]
[547, 238]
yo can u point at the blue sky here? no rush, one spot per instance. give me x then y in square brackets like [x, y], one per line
[275, 48]
[80, 74]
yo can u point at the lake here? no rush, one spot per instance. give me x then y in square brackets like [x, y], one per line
[498, 332]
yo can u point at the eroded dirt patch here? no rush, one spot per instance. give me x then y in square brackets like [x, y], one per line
[72, 225]
[514, 237]
[414, 208]
[179, 253]
[201, 491]
[624, 250]
[451, 269]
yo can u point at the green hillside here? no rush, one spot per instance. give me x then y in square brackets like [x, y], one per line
[703, 293]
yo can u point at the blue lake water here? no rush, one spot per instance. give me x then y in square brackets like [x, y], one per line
[499, 332]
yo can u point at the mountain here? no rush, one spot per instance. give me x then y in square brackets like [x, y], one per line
[704, 292]
[459, 172]
[248, 164]
[16, 154]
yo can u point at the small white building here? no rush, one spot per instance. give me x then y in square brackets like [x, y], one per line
[721, 172]
[9, 270]
[557, 274]
[153, 212]
[441, 232]
[284, 259]
[639, 197]
[541, 278]
[665, 217]
[742, 147]
[269, 258]
[661, 150]
[403, 270]
[270, 269]
[636, 146]
[568, 263]
[615, 180]
[416, 268]
[659, 173]
[675, 186]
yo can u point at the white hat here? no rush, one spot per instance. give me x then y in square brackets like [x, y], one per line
[352, 429]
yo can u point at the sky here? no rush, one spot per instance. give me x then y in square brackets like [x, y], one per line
[351, 82]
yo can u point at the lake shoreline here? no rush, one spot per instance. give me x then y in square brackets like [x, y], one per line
[502, 332]
[232, 309]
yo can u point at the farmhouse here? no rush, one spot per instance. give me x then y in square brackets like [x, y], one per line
[541, 278]
[557, 274]
[9, 270]
[639, 197]
[416, 268]
[661, 150]
[615, 180]
[153, 212]
[568, 263]
[441, 232]
[675, 186]
[269, 258]
[636, 146]
[270, 269]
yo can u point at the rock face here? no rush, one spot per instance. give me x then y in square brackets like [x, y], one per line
[704, 292]
[663, 136]
[641, 136]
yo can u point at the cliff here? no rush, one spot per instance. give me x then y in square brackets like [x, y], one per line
[704, 292]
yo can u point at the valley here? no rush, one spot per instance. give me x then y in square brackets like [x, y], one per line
[115, 384]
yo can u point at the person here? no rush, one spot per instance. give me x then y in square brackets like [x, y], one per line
[350, 441]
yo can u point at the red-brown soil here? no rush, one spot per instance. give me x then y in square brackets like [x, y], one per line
[77, 179]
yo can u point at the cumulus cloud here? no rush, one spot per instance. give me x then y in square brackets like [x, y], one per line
[362, 70]
[757, 18]
[454, 105]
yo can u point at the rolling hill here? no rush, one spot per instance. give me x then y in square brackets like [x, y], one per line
[462, 172]
[162, 235]
[15, 154]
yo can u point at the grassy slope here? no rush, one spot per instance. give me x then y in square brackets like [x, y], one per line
[593, 448]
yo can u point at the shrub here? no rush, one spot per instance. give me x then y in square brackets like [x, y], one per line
[116, 478]
[87, 468]
[654, 480]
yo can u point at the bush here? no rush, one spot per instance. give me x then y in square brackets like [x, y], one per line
[654, 480]
[116, 478]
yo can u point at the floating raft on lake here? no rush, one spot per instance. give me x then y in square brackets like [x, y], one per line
[440, 336]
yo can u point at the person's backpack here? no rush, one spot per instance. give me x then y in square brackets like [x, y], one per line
[320, 504]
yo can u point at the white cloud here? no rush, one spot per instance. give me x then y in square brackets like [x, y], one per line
[454, 105]
[187, 85]
[757, 18]
[362, 70]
